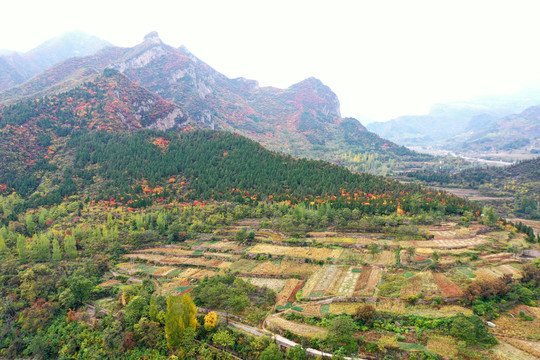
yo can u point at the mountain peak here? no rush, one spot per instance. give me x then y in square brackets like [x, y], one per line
[23, 66]
[153, 37]
[313, 93]
[313, 81]
[74, 43]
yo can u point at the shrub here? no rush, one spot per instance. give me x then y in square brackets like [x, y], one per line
[365, 313]
[472, 330]
[487, 289]
[524, 316]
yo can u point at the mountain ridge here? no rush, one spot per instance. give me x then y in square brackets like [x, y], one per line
[519, 131]
[23, 66]
[449, 120]
[303, 120]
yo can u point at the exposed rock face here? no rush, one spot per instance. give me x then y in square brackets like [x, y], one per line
[206, 119]
[296, 120]
[153, 37]
[141, 60]
[175, 119]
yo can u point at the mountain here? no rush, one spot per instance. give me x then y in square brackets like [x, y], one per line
[107, 139]
[17, 67]
[303, 120]
[445, 121]
[516, 132]
[32, 132]
[9, 77]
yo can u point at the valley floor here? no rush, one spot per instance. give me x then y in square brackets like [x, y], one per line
[332, 272]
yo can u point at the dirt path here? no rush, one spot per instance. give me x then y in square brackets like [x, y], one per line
[129, 280]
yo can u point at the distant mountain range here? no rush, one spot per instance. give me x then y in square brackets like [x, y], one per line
[303, 120]
[515, 132]
[15, 68]
[490, 123]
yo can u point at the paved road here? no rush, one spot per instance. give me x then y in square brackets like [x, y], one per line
[280, 340]
[250, 329]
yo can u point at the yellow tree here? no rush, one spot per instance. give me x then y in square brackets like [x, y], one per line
[210, 321]
[181, 314]
[173, 327]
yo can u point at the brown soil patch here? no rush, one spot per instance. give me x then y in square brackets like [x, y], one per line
[413, 287]
[511, 325]
[289, 291]
[109, 283]
[311, 309]
[448, 288]
[166, 251]
[496, 257]
[370, 280]
[509, 269]
[530, 347]
[363, 278]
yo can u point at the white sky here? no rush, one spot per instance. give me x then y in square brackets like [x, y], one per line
[382, 58]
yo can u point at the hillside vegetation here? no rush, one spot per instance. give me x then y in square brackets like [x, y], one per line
[517, 185]
[303, 120]
[132, 228]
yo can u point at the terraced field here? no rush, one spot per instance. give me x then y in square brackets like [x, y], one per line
[338, 274]
[288, 292]
[294, 251]
[305, 330]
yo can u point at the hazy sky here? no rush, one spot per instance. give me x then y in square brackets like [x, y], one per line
[382, 58]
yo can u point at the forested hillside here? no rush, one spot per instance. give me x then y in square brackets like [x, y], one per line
[32, 133]
[86, 141]
[137, 168]
[519, 182]
[303, 120]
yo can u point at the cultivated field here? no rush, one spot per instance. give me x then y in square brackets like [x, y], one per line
[294, 251]
[338, 274]
[273, 284]
[305, 330]
[447, 287]
[287, 294]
